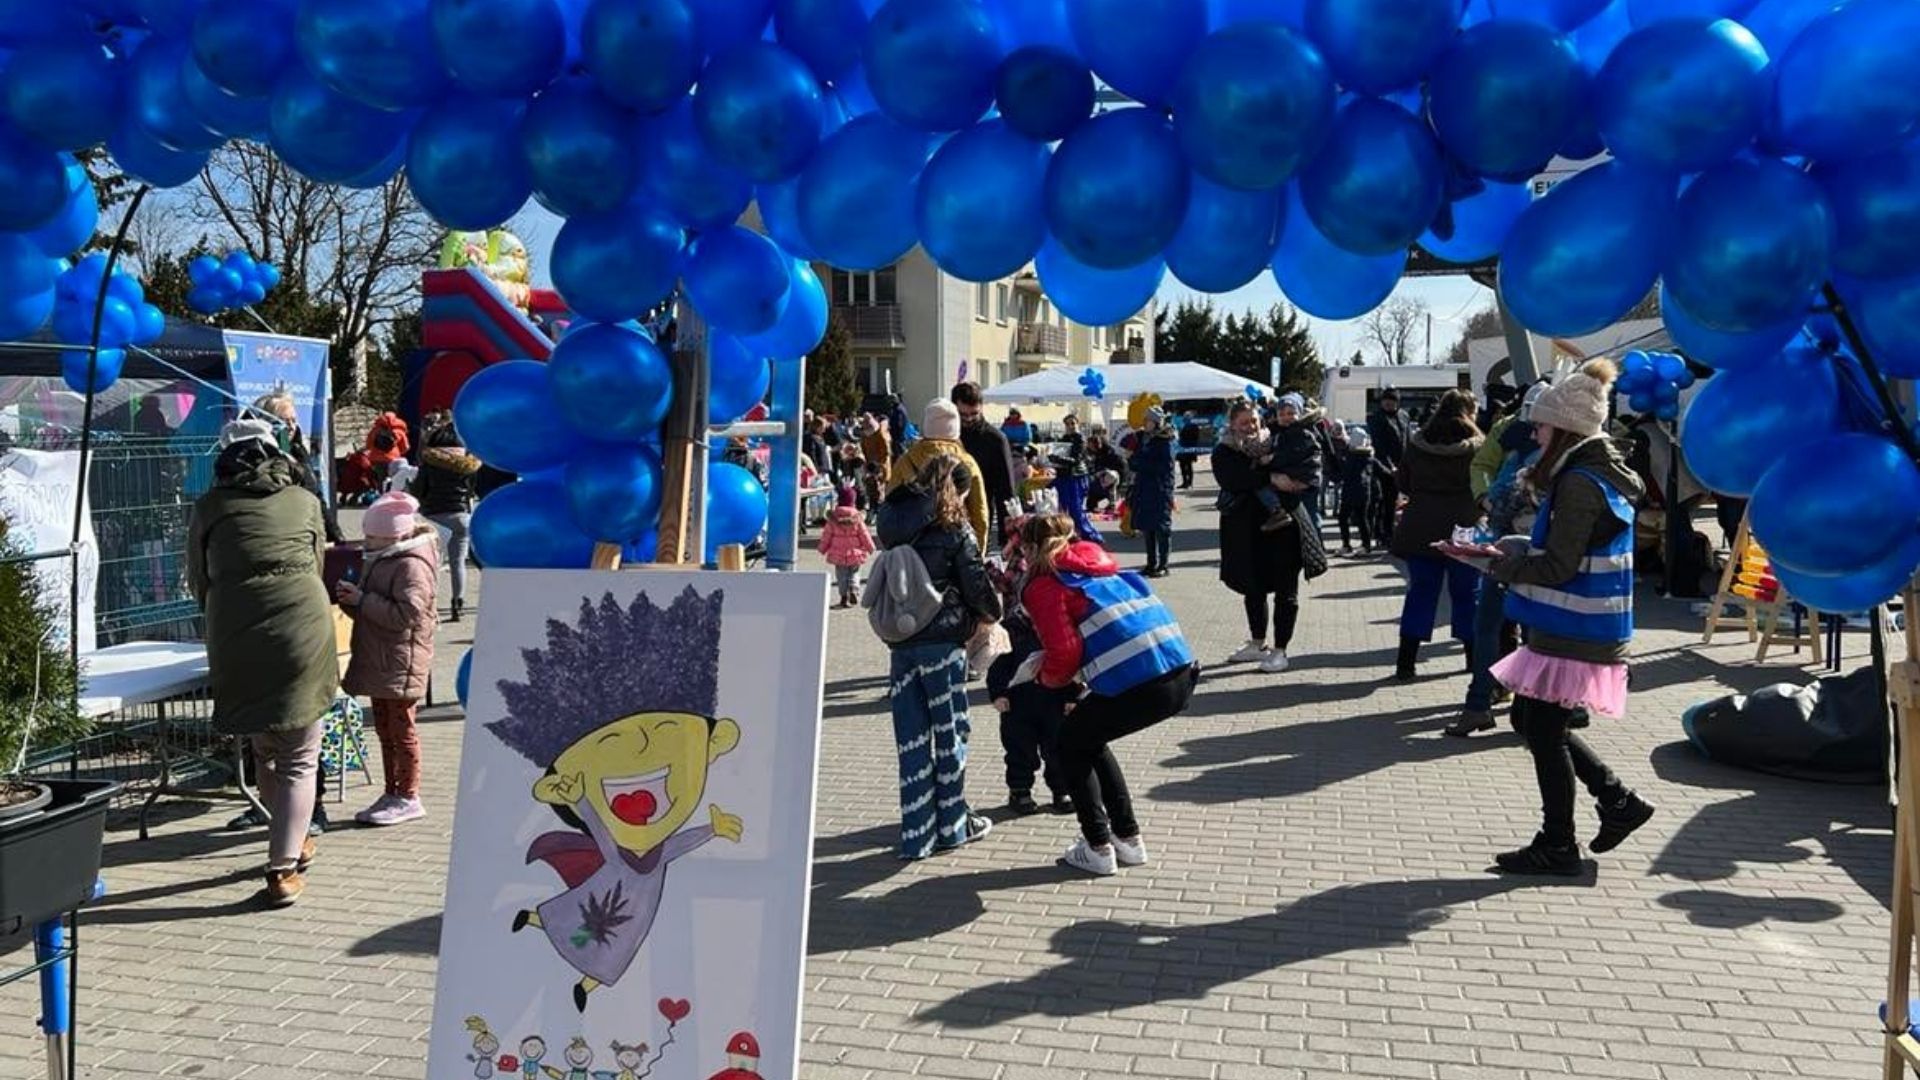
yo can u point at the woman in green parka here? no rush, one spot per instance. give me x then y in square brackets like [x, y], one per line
[253, 560]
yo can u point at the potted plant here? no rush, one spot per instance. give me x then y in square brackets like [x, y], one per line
[50, 830]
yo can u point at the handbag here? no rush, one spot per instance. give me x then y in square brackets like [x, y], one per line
[1313, 551]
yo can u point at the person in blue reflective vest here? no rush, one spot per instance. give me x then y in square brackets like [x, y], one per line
[1570, 588]
[1117, 662]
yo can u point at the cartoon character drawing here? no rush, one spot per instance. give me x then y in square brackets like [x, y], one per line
[485, 1045]
[618, 709]
[579, 1058]
[532, 1049]
[743, 1058]
[630, 1058]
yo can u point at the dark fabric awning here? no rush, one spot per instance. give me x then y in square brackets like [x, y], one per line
[195, 348]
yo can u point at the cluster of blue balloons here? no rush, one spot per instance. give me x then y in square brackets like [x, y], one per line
[125, 318]
[1653, 382]
[33, 250]
[235, 280]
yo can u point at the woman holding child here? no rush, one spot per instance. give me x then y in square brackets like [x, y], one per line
[1262, 477]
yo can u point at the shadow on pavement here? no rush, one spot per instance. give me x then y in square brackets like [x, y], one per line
[415, 937]
[1731, 911]
[1113, 965]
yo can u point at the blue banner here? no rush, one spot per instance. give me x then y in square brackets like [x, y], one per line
[260, 364]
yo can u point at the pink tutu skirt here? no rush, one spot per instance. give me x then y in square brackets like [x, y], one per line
[1570, 684]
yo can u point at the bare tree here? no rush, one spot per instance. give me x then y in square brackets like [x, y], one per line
[1391, 328]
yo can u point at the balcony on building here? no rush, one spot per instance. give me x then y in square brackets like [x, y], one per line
[1040, 343]
[869, 305]
[1133, 352]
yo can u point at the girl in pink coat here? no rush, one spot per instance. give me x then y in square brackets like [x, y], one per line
[847, 545]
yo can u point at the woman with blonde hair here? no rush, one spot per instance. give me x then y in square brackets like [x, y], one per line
[1116, 659]
[928, 686]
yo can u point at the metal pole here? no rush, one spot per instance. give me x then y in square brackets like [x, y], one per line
[783, 489]
[1520, 346]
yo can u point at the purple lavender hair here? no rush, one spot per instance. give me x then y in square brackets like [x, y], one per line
[613, 662]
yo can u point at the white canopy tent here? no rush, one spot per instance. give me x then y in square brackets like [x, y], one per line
[1124, 382]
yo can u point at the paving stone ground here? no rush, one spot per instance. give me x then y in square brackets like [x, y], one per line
[1318, 903]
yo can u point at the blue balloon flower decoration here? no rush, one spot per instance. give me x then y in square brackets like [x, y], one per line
[125, 316]
[235, 280]
[1254, 393]
[1093, 384]
[1653, 382]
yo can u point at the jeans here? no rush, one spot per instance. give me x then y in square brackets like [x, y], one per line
[1087, 764]
[1426, 575]
[1559, 756]
[1159, 547]
[289, 763]
[846, 578]
[393, 721]
[459, 541]
[930, 732]
[1489, 626]
[1028, 732]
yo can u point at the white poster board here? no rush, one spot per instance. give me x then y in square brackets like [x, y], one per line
[37, 489]
[627, 895]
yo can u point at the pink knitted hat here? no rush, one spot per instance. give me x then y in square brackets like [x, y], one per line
[392, 514]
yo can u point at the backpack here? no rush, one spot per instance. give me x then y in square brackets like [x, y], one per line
[900, 598]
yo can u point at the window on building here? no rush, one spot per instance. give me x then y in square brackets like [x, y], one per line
[866, 289]
[876, 374]
[1006, 295]
[1046, 311]
[886, 285]
[982, 301]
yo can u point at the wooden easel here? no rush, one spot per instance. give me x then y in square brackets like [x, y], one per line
[1717, 617]
[1903, 687]
[1809, 634]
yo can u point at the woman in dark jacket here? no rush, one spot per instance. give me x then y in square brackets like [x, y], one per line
[445, 490]
[253, 561]
[928, 688]
[1151, 502]
[1435, 475]
[1255, 562]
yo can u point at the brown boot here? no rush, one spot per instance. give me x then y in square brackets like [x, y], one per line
[309, 851]
[284, 887]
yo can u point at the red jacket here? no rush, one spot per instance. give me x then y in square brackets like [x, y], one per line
[1057, 611]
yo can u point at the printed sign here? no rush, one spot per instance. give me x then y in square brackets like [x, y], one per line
[262, 364]
[627, 896]
[37, 489]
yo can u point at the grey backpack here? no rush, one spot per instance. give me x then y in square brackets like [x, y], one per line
[900, 598]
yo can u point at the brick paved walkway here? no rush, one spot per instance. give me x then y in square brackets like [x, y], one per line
[1318, 904]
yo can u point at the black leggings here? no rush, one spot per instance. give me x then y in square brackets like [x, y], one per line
[1559, 756]
[1087, 766]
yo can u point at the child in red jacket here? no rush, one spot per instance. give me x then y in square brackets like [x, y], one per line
[847, 544]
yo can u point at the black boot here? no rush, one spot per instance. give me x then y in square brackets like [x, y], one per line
[1617, 822]
[1542, 858]
[458, 607]
[1404, 666]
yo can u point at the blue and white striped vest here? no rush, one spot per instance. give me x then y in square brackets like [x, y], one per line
[1597, 605]
[1131, 638]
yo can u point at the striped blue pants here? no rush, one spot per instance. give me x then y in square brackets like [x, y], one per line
[930, 730]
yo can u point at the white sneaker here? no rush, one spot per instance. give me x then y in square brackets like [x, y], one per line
[1082, 856]
[1130, 852]
[1250, 652]
[1275, 662]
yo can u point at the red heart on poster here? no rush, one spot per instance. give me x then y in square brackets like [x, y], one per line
[635, 807]
[509, 1063]
[675, 1011]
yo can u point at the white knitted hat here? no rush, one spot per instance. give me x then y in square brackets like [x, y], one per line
[942, 420]
[1578, 403]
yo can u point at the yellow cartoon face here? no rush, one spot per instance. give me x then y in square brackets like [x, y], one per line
[642, 775]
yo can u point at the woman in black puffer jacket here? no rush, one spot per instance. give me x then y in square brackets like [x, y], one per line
[929, 682]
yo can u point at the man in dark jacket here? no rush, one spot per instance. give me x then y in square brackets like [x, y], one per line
[813, 443]
[1391, 432]
[990, 452]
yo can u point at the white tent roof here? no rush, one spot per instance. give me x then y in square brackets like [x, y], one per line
[1124, 382]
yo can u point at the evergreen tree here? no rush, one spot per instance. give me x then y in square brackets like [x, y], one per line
[1290, 339]
[830, 385]
[37, 675]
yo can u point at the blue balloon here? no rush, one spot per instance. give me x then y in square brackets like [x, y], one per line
[1888, 314]
[1865, 484]
[465, 163]
[1327, 281]
[1855, 592]
[736, 505]
[1478, 223]
[1643, 402]
[529, 526]
[827, 34]
[166, 16]
[739, 280]
[931, 63]
[126, 287]
[66, 93]
[1599, 36]
[1717, 349]
[739, 378]
[1848, 86]
[505, 415]
[151, 323]
[34, 179]
[1876, 211]
[1117, 190]
[1138, 47]
[643, 550]
[760, 110]
[1256, 101]
[220, 112]
[327, 136]
[1379, 46]
[1558, 14]
[1648, 12]
[1590, 249]
[803, 325]
[28, 299]
[91, 373]
[1025, 23]
[1669, 367]
[780, 213]
[1778, 22]
[1753, 244]
[141, 156]
[377, 176]
[1683, 95]
[1506, 96]
[500, 48]
[727, 24]
[981, 211]
[615, 492]
[1378, 182]
[681, 174]
[1044, 93]
[1742, 422]
[1228, 237]
[857, 195]
[644, 53]
[376, 51]
[1092, 296]
[463, 678]
[244, 46]
[617, 266]
[1224, 13]
[580, 149]
[158, 102]
[23, 22]
[610, 383]
[76, 222]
